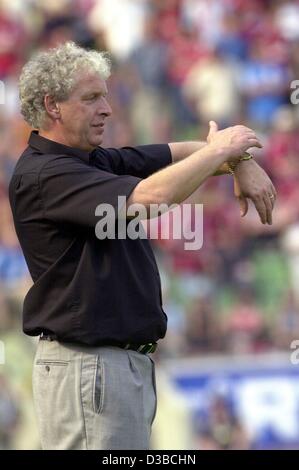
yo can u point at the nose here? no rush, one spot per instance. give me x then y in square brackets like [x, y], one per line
[105, 108]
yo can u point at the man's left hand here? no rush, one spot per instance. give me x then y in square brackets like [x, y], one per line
[252, 182]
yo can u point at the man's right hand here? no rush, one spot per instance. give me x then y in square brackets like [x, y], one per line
[173, 184]
[232, 141]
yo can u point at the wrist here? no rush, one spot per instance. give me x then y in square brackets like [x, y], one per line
[233, 166]
[220, 153]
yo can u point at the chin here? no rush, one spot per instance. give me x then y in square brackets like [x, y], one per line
[96, 141]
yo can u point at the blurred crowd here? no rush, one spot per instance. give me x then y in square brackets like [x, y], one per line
[176, 65]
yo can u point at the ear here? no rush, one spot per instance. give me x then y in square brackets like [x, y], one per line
[52, 107]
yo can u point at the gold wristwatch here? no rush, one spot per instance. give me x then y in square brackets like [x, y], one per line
[232, 165]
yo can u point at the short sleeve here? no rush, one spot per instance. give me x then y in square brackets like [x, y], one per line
[71, 191]
[140, 161]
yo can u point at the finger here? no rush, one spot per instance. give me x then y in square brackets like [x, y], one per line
[272, 195]
[250, 132]
[246, 130]
[237, 189]
[254, 143]
[250, 135]
[243, 128]
[253, 139]
[243, 205]
[271, 198]
[260, 208]
[213, 127]
[274, 192]
[269, 208]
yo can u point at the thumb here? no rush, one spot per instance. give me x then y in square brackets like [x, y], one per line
[243, 205]
[213, 128]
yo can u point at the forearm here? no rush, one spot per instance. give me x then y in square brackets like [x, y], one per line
[181, 150]
[176, 182]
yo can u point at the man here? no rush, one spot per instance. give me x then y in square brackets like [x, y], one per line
[96, 304]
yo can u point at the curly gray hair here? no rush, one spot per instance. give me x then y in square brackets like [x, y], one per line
[53, 72]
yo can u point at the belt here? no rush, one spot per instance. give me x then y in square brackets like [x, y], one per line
[147, 348]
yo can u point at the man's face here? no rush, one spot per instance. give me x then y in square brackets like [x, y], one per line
[83, 114]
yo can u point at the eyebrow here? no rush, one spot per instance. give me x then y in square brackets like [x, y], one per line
[96, 93]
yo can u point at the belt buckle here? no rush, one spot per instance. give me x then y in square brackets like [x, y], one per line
[147, 348]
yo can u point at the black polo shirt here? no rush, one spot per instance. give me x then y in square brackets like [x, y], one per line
[85, 290]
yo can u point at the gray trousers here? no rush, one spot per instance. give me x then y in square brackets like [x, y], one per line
[93, 398]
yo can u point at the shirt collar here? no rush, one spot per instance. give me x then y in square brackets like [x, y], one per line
[50, 146]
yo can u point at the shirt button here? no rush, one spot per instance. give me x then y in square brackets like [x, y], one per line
[48, 368]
